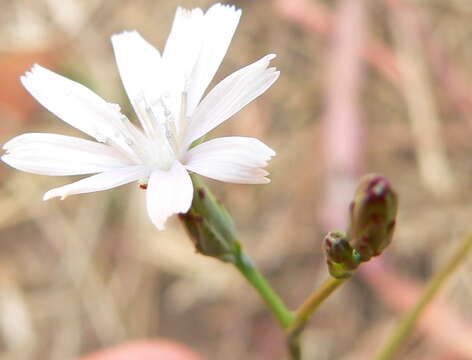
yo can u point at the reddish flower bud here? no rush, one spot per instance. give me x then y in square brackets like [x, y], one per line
[372, 216]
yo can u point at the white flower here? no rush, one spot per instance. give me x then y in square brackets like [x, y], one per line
[165, 91]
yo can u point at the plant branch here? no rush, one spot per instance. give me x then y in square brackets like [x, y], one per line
[305, 312]
[258, 282]
[408, 322]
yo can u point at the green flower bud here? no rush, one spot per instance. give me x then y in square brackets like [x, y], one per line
[372, 216]
[209, 225]
[341, 258]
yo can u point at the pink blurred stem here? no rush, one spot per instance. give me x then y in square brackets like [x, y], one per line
[316, 18]
[342, 125]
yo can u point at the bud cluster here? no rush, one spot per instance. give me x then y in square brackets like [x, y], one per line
[372, 221]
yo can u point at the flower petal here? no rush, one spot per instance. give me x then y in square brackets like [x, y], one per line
[168, 192]
[231, 159]
[229, 96]
[180, 55]
[139, 64]
[73, 103]
[103, 181]
[220, 23]
[54, 154]
[183, 45]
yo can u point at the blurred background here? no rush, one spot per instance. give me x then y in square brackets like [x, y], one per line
[365, 86]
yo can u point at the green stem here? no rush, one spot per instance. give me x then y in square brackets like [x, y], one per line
[407, 323]
[273, 301]
[212, 230]
[306, 311]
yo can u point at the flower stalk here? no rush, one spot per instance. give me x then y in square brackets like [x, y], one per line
[258, 282]
[212, 231]
[306, 311]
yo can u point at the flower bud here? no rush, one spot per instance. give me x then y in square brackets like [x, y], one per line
[341, 258]
[372, 216]
[209, 225]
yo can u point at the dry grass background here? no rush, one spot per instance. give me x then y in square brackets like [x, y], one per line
[375, 86]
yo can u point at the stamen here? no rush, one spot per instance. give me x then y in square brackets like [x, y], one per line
[183, 119]
[145, 115]
[156, 145]
[126, 138]
[169, 126]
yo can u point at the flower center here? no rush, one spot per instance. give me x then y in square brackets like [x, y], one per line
[162, 133]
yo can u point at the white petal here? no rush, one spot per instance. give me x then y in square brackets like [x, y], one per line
[231, 159]
[53, 154]
[229, 96]
[139, 64]
[184, 43]
[168, 192]
[220, 23]
[180, 54]
[72, 102]
[103, 181]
